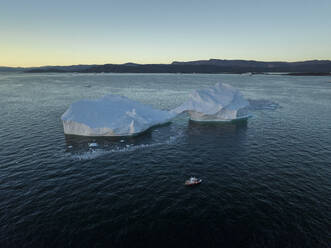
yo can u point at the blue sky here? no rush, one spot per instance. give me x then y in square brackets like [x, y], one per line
[47, 32]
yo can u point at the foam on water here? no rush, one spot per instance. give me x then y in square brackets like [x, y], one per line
[93, 153]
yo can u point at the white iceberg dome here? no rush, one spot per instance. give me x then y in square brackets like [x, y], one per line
[219, 103]
[112, 115]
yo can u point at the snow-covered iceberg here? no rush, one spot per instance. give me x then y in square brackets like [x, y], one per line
[112, 115]
[219, 103]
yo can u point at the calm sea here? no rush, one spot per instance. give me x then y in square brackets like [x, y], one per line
[266, 182]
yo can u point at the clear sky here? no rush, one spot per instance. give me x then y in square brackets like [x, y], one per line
[64, 32]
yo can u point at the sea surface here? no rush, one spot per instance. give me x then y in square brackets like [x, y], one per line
[266, 182]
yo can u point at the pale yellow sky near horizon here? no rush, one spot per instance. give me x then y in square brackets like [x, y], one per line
[71, 53]
[26, 57]
[39, 33]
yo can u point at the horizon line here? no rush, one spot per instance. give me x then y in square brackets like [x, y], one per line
[181, 61]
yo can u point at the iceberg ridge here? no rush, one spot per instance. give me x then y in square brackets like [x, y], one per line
[219, 103]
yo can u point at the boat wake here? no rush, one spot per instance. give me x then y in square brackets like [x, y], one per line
[121, 146]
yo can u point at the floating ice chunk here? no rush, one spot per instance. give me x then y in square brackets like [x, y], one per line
[219, 103]
[112, 115]
[92, 144]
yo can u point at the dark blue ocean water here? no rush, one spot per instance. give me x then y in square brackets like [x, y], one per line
[266, 182]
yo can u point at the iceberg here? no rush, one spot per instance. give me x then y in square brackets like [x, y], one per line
[219, 103]
[112, 115]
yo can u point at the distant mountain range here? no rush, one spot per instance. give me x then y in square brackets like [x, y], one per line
[312, 67]
[69, 68]
[9, 69]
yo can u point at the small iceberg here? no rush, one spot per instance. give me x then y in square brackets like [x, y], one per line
[112, 115]
[93, 144]
[219, 103]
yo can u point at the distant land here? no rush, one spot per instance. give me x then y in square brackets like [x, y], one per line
[301, 68]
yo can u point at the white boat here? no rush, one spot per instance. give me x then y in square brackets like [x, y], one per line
[193, 181]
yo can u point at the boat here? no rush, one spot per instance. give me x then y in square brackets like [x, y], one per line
[193, 181]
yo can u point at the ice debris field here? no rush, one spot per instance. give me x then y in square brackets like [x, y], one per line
[115, 115]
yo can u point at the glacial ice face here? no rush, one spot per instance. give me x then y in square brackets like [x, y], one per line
[219, 103]
[112, 115]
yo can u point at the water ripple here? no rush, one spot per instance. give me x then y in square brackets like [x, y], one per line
[266, 182]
